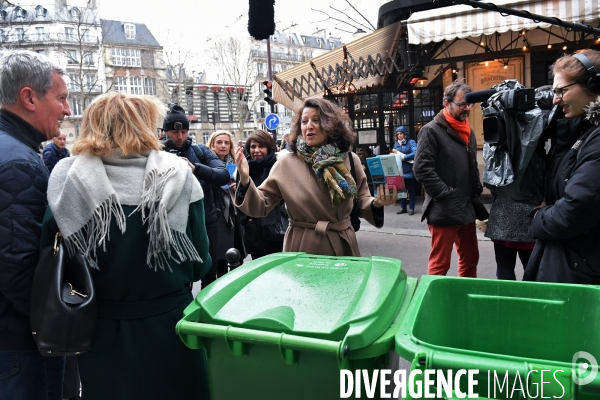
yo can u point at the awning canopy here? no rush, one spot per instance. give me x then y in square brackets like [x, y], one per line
[361, 63]
[462, 21]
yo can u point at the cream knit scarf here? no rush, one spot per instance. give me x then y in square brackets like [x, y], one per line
[86, 191]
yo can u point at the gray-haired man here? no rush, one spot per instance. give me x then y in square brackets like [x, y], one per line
[33, 97]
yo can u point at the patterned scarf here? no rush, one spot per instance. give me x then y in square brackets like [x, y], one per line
[328, 163]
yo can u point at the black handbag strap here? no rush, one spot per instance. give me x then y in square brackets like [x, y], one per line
[352, 170]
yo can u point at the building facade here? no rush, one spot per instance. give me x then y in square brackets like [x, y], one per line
[72, 37]
[133, 59]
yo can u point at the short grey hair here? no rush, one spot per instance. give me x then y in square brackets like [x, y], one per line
[23, 68]
[454, 88]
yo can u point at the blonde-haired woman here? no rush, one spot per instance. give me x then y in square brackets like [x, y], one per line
[229, 229]
[137, 215]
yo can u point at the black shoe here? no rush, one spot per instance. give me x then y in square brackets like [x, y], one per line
[403, 211]
[411, 212]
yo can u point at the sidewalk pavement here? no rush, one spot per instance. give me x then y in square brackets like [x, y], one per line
[411, 225]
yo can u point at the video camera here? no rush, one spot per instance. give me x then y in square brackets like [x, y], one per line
[494, 125]
[514, 124]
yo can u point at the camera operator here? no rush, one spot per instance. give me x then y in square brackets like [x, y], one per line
[207, 167]
[567, 227]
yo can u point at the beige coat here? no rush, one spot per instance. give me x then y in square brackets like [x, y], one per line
[316, 227]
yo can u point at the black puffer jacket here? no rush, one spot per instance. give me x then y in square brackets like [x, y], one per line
[209, 171]
[568, 228]
[448, 171]
[23, 184]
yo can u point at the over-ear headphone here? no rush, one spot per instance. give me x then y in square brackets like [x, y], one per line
[593, 82]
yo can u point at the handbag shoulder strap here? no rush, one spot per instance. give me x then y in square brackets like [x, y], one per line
[352, 170]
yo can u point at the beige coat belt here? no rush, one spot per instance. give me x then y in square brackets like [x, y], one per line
[329, 229]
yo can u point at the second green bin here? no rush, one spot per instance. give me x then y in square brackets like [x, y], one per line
[506, 329]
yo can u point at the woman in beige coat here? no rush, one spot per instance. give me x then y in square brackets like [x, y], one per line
[316, 185]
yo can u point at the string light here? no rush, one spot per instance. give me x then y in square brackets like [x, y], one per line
[565, 48]
[487, 63]
[549, 46]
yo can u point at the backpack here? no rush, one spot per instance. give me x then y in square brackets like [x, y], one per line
[199, 153]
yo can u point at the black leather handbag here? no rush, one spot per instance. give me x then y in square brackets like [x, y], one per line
[63, 304]
[354, 218]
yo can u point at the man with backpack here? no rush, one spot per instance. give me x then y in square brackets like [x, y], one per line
[206, 166]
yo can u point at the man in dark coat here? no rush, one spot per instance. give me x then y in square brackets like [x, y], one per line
[33, 96]
[55, 151]
[446, 166]
[207, 167]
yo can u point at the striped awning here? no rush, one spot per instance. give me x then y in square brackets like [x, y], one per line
[368, 61]
[462, 21]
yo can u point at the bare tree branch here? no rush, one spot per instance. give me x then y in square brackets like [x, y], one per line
[349, 17]
[336, 19]
[369, 22]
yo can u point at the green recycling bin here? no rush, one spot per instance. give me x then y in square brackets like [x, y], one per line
[526, 340]
[284, 325]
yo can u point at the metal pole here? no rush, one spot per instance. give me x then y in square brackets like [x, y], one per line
[273, 132]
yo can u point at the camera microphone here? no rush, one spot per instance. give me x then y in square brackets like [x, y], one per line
[480, 96]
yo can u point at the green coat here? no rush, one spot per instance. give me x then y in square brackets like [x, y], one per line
[136, 354]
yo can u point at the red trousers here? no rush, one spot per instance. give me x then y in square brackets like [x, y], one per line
[442, 239]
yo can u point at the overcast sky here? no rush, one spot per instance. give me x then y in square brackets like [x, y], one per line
[194, 23]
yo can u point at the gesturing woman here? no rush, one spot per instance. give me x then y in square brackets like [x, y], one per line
[316, 185]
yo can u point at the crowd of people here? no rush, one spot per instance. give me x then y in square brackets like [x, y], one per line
[152, 215]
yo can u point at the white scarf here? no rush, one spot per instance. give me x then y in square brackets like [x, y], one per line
[86, 191]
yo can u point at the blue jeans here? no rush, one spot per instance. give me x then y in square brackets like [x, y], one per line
[27, 375]
[410, 188]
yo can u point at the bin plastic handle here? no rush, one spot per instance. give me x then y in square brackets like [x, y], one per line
[251, 336]
[289, 356]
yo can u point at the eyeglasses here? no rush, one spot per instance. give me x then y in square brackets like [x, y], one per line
[560, 91]
[462, 106]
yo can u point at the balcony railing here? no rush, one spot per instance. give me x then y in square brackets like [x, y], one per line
[45, 37]
[275, 55]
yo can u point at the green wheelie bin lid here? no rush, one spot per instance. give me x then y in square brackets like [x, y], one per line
[506, 329]
[349, 299]
[285, 326]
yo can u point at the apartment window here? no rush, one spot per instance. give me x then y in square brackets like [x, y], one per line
[19, 13]
[74, 12]
[129, 31]
[40, 33]
[72, 57]
[150, 86]
[42, 52]
[121, 84]
[70, 34]
[90, 82]
[126, 57]
[136, 85]
[262, 110]
[205, 137]
[20, 34]
[88, 59]
[3, 35]
[76, 107]
[85, 35]
[40, 12]
[74, 83]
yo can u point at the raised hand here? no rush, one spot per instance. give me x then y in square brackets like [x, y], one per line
[242, 166]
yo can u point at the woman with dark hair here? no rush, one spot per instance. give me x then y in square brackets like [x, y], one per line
[316, 185]
[263, 236]
[567, 226]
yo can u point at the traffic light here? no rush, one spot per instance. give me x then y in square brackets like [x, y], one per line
[269, 92]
